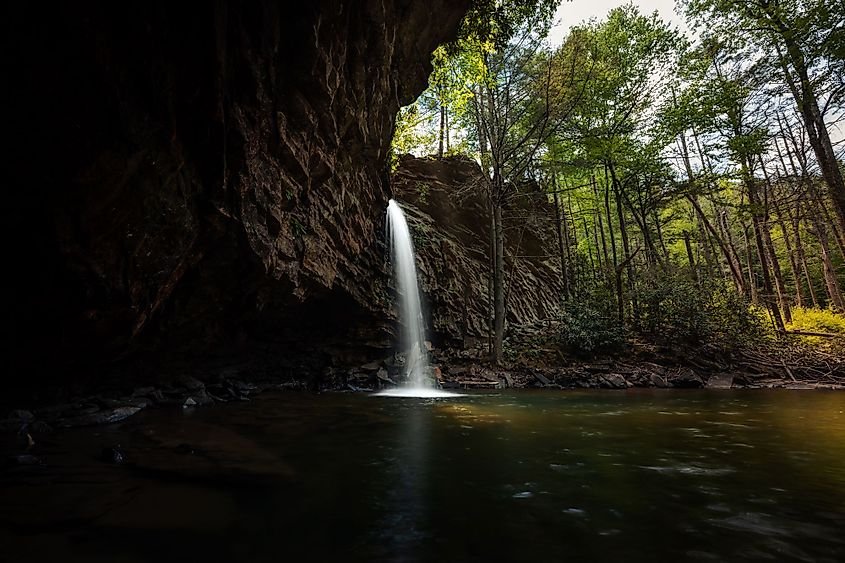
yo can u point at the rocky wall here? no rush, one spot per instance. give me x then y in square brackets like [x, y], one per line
[449, 215]
[188, 179]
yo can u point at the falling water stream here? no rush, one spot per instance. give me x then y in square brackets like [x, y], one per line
[412, 340]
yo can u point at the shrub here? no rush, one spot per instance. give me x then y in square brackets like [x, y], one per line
[589, 324]
[672, 307]
[817, 320]
[734, 321]
[678, 310]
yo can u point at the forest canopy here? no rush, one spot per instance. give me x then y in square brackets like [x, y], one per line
[696, 178]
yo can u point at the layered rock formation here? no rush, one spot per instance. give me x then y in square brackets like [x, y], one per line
[191, 179]
[448, 213]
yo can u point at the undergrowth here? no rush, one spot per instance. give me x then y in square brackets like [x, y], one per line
[817, 320]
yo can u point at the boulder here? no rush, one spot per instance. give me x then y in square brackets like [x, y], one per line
[613, 381]
[190, 383]
[658, 381]
[720, 381]
[686, 378]
[541, 379]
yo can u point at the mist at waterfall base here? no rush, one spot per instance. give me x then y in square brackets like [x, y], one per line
[412, 328]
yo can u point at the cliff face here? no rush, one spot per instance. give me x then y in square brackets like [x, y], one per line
[193, 178]
[447, 211]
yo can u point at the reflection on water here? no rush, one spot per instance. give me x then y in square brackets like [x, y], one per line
[417, 393]
[404, 507]
[524, 476]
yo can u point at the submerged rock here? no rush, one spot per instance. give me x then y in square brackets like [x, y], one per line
[113, 454]
[102, 417]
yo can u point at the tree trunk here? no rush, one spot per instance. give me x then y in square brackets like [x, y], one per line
[733, 264]
[609, 218]
[831, 283]
[574, 266]
[796, 219]
[589, 249]
[837, 233]
[805, 98]
[651, 251]
[600, 221]
[491, 299]
[725, 229]
[800, 254]
[800, 299]
[499, 284]
[783, 300]
[596, 242]
[660, 235]
[564, 275]
[626, 248]
[709, 251]
[759, 228]
[703, 238]
[442, 130]
[446, 128]
[690, 257]
[752, 283]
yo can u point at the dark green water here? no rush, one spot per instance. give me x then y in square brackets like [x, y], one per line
[523, 476]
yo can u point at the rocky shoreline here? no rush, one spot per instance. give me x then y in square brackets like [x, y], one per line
[534, 361]
[24, 426]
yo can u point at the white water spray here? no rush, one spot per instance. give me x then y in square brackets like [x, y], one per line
[412, 338]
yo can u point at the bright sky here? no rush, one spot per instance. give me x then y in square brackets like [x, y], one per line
[577, 11]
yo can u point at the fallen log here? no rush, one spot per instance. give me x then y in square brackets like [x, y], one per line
[811, 333]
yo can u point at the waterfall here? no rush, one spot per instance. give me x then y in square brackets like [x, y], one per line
[412, 328]
[410, 311]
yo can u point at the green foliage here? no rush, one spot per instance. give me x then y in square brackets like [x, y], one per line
[408, 133]
[589, 324]
[678, 310]
[817, 320]
[633, 129]
[298, 227]
[777, 40]
[421, 235]
[455, 72]
[462, 66]
[496, 21]
[629, 59]
[422, 190]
